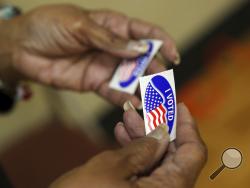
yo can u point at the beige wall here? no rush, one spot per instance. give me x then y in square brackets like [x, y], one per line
[184, 20]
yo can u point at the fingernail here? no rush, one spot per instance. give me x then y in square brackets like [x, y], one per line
[141, 47]
[120, 123]
[160, 133]
[128, 106]
[139, 107]
[177, 59]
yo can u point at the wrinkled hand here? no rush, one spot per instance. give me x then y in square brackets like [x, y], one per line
[118, 168]
[144, 162]
[71, 48]
[184, 158]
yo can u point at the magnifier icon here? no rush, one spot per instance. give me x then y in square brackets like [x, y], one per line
[231, 158]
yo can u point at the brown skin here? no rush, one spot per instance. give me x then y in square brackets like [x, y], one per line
[72, 48]
[180, 164]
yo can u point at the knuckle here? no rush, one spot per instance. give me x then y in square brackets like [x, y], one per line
[43, 77]
[203, 152]
[78, 25]
[110, 39]
[128, 116]
[141, 155]
[200, 153]
[149, 147]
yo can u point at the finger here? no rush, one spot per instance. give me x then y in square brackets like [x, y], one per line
[63, 73]
[187, 131]
[163, 60]
[138, 94]
[186, 159]
[190, 147]
[112, 20]
[121, 134]
[141, 154]
[104, 39]
[139, 29]
[133, 123]
[155, 66]
[117, 97]
[171, 148]
[190, 154]
[125, 27]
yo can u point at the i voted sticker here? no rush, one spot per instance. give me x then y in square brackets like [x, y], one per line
[126, 77]
[159, 101]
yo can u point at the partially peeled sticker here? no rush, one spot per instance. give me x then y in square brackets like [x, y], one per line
[126, 76]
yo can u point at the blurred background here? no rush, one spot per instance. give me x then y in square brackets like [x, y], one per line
[57, 130]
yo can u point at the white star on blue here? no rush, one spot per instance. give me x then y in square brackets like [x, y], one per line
[152, 98]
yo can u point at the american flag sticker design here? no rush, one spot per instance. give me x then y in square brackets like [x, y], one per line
[126, 76]
[159, 101]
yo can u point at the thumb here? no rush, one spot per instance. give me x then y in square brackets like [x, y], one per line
[109, 42]
[142, 154]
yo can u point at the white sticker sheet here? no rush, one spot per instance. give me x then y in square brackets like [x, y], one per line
[126, 76]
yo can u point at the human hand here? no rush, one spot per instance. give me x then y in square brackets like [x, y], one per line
[144, 162]
[184, 157]
[72, 48]
[118, 168]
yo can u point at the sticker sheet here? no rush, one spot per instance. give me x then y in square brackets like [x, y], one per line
[126, 76]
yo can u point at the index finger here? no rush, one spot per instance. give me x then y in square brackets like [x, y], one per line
[187, 131]
[191, 153]
[134, 124]
[139, 29]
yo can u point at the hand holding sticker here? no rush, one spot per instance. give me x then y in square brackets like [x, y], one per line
[126, 76]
